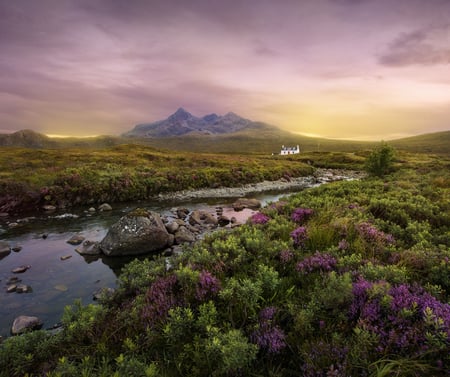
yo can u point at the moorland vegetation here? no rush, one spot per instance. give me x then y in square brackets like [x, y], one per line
[346, 279]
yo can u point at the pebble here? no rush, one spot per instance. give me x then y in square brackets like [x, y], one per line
[65, 257]
[21, 269]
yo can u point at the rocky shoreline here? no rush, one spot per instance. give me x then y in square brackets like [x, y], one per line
[320, 176]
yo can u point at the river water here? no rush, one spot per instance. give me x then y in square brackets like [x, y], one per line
[57, 282]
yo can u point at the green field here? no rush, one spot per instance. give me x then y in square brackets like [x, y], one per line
[347, 279]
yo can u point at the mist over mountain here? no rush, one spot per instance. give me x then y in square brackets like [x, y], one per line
[184, 123]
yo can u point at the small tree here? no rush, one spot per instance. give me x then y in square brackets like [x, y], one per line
[380, 160]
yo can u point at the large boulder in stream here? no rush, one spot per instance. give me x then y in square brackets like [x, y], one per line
[138, 232]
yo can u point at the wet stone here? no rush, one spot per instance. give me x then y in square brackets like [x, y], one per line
[65, 257]
[23, 288]
[16, 248]
[77, 239]
[21, 269]
[11, 288]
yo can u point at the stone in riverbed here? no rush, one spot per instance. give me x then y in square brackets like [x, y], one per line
[25, 323]
[23, 288]
[21, 269]
[183, 235]
[76, 239]
[172, 227]
[104, 207]
[11, 288]
[138, 232]
[242, 203]
[5, 249]
[88, 248]
[65, 257]
[16, 248]
[48, 208]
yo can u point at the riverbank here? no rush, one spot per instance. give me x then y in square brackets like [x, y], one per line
[296, 183]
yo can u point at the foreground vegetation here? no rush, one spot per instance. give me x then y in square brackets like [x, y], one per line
[348, 279]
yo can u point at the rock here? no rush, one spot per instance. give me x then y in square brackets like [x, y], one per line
[195, 218]
[25, 323]
[21, 269]
[49, 208]
[61, 287]
[201, 217]
[16, 248]
[44, 236]
[172, 227]
[208, 218]
[77, 239]
[233, 220]
[183, 235]
[5, 249]
[11, 288]
[182, 213]
[223, 220]
[242, 203]
[4, 214]
[65, 257]
[13, 280]
[92, 210]
[23, 288]
[138, 232]
[88, 248]
[13, 225]
[103, 293]
[104, 207]
[171, 240]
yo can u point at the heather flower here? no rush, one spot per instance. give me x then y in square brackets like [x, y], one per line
[403, 317]
[373, 235]
[207, 286]
[259, 218]
[299, 235]
[278, 206]
[301, 215]
[160, 297]
[317, 262]
[286, 256]
[268, 336]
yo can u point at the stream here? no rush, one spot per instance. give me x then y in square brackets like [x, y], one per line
[58, 275]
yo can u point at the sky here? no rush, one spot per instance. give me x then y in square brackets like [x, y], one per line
[348, 69]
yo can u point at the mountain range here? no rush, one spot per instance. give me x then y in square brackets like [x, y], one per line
[183, 123]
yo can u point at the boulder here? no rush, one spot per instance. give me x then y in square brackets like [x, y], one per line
[172, 227]
[5, 249]
[88, 248]
[183, 235]
[76, 239]
[202, 217]
[242, 203]
[104, 207]
[25, 323]
[138, 232]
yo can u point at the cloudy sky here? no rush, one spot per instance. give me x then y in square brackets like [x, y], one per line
[360, 69]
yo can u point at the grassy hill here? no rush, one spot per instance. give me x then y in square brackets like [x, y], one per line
[258, 140]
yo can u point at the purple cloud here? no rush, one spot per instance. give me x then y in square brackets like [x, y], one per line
[419, 47]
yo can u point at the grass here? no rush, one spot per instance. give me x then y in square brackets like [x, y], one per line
[364, 292]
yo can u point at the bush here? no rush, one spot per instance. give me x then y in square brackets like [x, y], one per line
[380, 160]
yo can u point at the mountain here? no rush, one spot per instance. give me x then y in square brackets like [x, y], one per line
[183, 123]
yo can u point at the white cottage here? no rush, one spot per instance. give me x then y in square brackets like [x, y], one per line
[289, 150]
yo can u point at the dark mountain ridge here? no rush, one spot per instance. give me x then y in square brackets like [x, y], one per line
[183, 123]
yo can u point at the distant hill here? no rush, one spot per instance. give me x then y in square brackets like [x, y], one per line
[26, 139]
[437, 142]
[183, 123]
